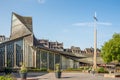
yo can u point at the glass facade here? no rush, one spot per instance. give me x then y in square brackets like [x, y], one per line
[19, 52]
[57, 58]
[2, 55]
[13, 53]
[47, 59]
[51, 61]
[10, 54]
[38, 59]
[43, 59]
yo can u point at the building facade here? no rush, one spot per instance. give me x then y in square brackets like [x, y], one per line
[51, 45]
[43, 43]
[3, 38]
[23, 47]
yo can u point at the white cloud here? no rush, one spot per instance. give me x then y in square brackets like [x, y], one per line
[41, 1]
[105, 23]
[83, 24]
[92, 23]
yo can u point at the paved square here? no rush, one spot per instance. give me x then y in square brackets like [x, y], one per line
[72, 76]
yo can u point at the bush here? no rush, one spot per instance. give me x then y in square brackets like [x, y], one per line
[86, 68]
[43, 69]
[82, 68]
[7, 77]
[37, 70]
[33, 70]
[102, 70]
[74, 69]
[7, 70]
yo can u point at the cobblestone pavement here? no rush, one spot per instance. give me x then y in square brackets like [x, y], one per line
[72, 76]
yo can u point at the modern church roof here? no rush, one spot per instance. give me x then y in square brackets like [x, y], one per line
[20, 26]
[27, 21]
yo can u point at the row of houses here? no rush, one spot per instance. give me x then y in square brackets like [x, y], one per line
[59, 46]
[3, 38]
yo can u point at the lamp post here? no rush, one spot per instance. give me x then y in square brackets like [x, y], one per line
[95, 44]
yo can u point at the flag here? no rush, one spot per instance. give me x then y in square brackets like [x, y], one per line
[95, 18]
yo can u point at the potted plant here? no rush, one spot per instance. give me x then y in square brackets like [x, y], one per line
[58, 71]
[23, 72]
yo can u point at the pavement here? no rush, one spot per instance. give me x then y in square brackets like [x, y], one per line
[71, 76]
[65, 76]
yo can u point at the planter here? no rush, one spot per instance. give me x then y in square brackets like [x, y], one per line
[58, 74]
[23, 75]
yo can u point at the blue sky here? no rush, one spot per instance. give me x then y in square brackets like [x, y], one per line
[67, 21]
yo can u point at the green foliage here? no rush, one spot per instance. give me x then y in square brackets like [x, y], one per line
[102, 70]
[7, 77]
[86, 68]
[37, 70]
[74, 69]
[7, 70]
[83, 68]
[34, 70]
[23, 69]
[111, 49]
[43, 69]
[57, 67]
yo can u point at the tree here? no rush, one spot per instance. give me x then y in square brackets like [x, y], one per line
[111, 50]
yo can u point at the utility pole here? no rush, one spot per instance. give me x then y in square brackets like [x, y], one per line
[95, 43]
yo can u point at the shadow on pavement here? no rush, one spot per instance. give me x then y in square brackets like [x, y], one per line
[66, 77]
[35, 74]
[30, 74]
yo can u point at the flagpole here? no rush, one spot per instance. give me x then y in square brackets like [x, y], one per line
[95, 44]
